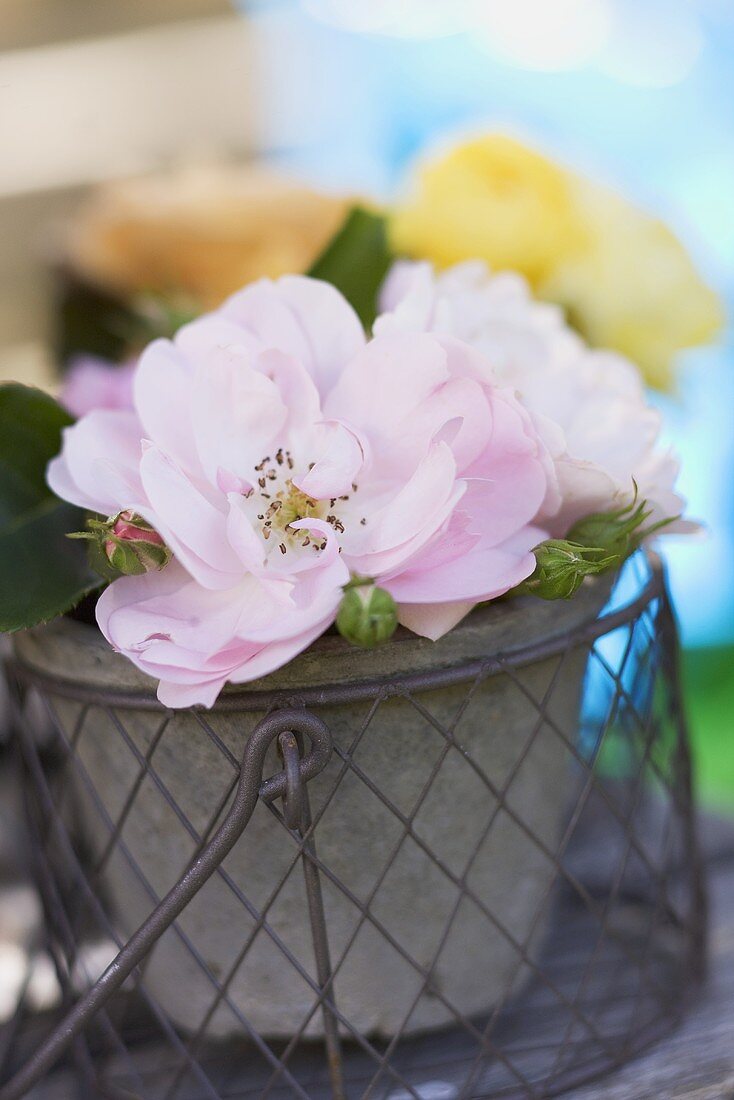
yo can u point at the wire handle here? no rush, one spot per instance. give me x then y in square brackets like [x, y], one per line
[250, 788]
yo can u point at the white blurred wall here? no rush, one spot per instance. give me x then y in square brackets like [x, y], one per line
[98, 89]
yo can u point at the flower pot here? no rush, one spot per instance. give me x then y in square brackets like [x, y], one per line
[426, 816]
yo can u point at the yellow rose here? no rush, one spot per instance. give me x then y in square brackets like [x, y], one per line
[200, 234]
[492, 199]
[624, 278]
[634, 287]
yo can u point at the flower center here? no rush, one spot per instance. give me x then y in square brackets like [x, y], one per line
[281, 504]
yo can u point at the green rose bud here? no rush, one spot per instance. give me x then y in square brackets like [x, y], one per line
[367, 616]
[561, 566]
[596, 543]
[619, 533]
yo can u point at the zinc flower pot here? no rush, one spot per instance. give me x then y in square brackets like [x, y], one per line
[425, 823]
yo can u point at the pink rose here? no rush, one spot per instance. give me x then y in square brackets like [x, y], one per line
[277, 453]
[93, 383]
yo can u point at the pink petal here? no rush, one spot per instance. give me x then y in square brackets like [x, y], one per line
[177, 696]
[433, 620]
[162, 390]
[303, 317]
[243, 538]
[211, 333]
[380, 390]
[238, 413]
[98, 465]
[508, 482]
[194, 529]
[396, 531]
[483, 573]
[296, 388]
[460, 413]
[276, 654]
[194, 639]
[337, 467]
[161, 603]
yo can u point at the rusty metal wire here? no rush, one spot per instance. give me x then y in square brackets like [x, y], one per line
[607, 962]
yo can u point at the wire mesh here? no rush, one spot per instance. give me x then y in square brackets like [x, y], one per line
[428, 910]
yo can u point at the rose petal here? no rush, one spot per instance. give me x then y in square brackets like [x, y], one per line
[305, 318]
[98, 465]
[194, 529]
[340, 457]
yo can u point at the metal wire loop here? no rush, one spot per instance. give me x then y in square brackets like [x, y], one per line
[293, 797]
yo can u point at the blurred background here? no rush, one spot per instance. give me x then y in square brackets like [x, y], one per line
[345, 94]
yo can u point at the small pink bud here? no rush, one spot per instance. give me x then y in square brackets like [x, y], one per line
[127, 542]
[132, 546]
[129, 526]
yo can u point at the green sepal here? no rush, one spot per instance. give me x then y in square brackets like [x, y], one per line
[620, 532]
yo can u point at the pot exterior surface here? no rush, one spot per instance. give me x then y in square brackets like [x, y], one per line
[436, 821]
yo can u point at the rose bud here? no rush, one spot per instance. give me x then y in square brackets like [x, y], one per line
[126, 542]
[561, 567]
[134, 546]
[367, 616]
[619, 532]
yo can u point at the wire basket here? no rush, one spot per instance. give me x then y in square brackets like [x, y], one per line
[564, 971]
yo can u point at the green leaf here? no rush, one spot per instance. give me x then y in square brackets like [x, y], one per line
[356, 261]
[30, 434]
[42, 573]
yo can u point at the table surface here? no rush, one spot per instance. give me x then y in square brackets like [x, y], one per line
[697, 1061]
